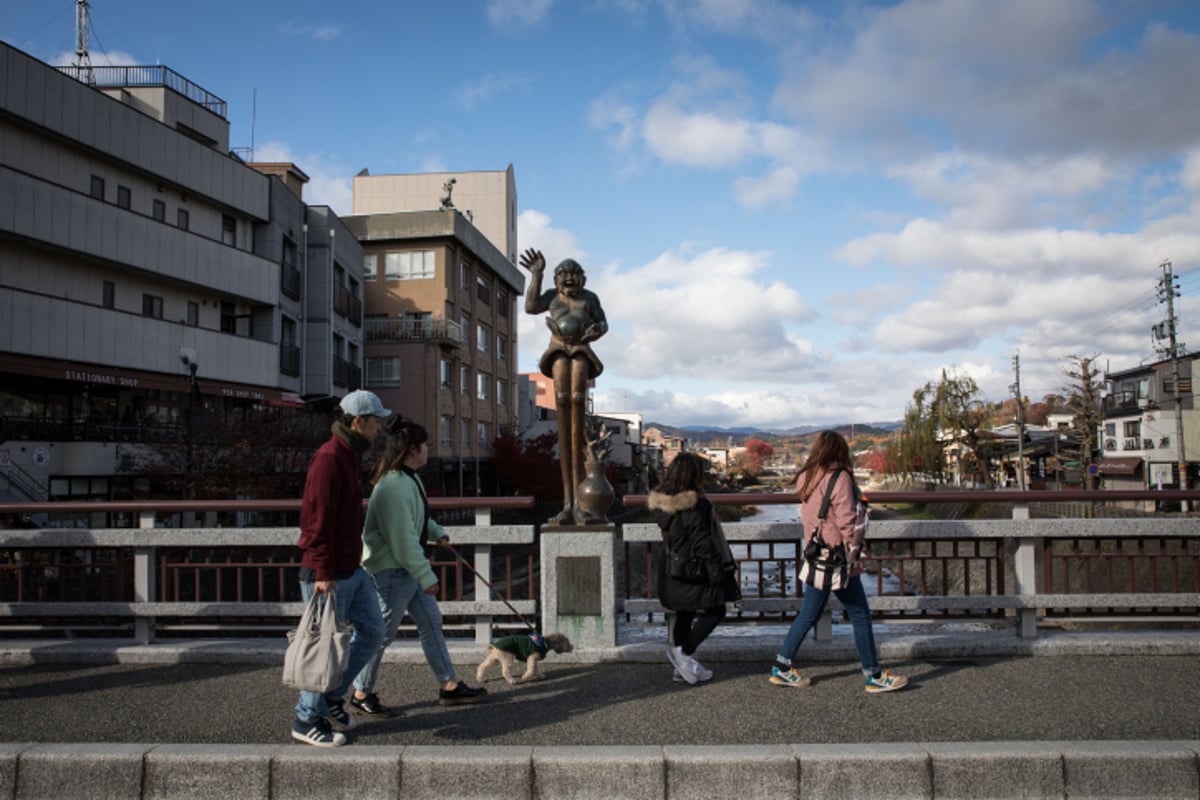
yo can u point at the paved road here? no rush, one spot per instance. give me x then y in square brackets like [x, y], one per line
[983, 699]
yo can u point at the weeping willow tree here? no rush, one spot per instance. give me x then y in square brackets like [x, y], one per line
[914, 448]
[942, 413]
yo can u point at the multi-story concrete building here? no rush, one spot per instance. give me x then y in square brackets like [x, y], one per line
[147, 273]
[1139, 439]
[441, 335]
[488, 199]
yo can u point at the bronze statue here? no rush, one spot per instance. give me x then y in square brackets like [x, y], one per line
[575, 320]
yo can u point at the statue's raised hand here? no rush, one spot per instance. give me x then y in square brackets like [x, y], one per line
[533, 260]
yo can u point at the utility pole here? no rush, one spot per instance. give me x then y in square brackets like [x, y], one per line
[1168, 290]
[1016, 390]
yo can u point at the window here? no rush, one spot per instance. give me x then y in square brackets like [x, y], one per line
[228, 317]
[159, 211]
[228, 230]
[97, 187]
[370, 267]
[124, 197]
[193, 317]
[1185, 386]
[484, 386]
[383, 371]
[501, 347]
[464, 277]
[182, 219]
[445, 376]
[408, 266]
[446, 429]
[483, 338]
[109, 294]
[502, 303]
[501, 392]
[483, 291]
[418, 324]
[464, 379]
[464, 433]
[483, 434]
[1133, 429]
[152, 306]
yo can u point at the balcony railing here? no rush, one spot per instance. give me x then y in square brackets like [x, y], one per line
[434, 331]
[135, 77]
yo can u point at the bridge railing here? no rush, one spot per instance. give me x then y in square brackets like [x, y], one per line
[163, 580]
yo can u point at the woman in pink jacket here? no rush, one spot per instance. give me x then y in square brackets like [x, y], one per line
[830, 461]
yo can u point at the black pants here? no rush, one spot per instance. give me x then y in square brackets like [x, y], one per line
[692, 628]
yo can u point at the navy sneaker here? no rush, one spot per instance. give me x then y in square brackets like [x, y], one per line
[338, 714]
[318, 734]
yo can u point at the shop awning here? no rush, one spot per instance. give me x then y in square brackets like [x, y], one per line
[1119, 465]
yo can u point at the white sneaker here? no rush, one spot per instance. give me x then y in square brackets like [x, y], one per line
[680, 662]
[701, 672]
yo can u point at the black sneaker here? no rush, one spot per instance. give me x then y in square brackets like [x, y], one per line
[370, 706]
[460, 694]
[318, 734]
[338, 715]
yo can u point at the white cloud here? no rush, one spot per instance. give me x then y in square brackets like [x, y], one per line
[330, 182]
[517, 13]
[488, 87]
[1191, 172]
[778, 184]
[101, 58]
[318, 31]
[951, 74]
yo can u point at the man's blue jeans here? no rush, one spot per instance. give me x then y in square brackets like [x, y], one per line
[854, 599]
[399, 592]
[359, 605]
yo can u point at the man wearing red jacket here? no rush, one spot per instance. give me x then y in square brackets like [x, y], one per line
[331, 524]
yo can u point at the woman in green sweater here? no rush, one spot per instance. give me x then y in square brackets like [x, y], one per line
[395, 534]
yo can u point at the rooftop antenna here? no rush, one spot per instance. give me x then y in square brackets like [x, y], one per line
[253, 119]
[82, 60]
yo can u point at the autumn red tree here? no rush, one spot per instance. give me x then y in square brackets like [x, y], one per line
[759, 451]
[527, 466]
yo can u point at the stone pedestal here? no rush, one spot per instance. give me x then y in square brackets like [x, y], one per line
[579, 583]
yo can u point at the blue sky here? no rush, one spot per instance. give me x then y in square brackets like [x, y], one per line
[793, 213]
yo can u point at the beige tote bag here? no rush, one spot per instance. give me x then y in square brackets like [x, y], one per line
[319, 647]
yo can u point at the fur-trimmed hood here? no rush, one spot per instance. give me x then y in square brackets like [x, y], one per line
[672, 503]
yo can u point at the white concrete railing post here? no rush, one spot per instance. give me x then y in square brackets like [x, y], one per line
[144, 582]
[483, 566]
[1025, 574]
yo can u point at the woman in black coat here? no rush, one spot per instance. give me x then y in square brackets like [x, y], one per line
[696, 570]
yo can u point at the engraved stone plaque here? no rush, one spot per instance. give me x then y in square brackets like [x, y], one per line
[578, 585]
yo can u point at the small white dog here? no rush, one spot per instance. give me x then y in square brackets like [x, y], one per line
[531, 648]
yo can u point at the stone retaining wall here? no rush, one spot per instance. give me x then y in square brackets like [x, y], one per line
[1165, 769]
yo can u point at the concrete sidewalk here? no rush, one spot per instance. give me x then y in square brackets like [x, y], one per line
[986, 715]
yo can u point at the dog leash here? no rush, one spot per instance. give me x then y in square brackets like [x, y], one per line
[486, 583]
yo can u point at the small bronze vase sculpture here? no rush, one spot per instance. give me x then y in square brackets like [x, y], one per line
[594, 495]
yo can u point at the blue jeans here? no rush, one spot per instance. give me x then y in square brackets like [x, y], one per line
[399, 592]
[358, 605]
[855, 601]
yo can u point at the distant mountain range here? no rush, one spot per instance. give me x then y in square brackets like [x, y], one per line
[700, 433]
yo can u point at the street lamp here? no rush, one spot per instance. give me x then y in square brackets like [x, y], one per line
[188, 357]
